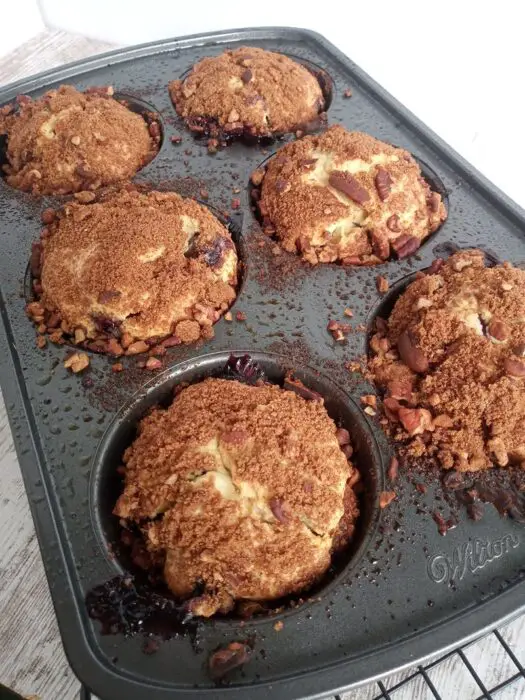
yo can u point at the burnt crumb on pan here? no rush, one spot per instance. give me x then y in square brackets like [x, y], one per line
[221, 464]
[247, 92]
[346, 197]
[68, 141]
[131, 273]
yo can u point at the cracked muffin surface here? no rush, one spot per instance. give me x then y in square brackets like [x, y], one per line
[452, 361]
[67, 141]
[247, 91]
[244, 489]
[135, 266]
[345, 196]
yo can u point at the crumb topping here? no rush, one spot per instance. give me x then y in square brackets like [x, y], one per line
[135, 266]
[249, 90]
[251, 486]
[66, 141]
[345, 196]
[452, 361]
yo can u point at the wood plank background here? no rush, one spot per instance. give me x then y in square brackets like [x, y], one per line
[32, 659]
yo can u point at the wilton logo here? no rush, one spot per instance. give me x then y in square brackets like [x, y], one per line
[469, 557]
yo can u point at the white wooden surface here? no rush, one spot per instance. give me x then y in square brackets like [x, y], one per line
[32, 660]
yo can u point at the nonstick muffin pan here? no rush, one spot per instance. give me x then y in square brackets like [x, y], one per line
[404, 591]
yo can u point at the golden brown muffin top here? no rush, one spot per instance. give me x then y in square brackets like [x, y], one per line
[150, 263]
[346, 196]
[452, 360]
[250, 482]
[250, 89]
[67, 141]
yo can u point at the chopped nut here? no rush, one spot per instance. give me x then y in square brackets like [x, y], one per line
[257, 177]
[41, 342]
[80, 335]
[84, 197]
[338, 330]
[382, 284]
[75, 140]
[386, 498]
[235, 203]
[415, 420]
[369, 400]
[383, 183]
[498, 331]
[411, 355]
[137, 347]
[176, 139]
[77, 362]
[117, 367]
[240, 316]
[278, 626]
[347, 93]
[348, 312]
[153, 363]
[369, 411]
[228, 316]
[126, 340]
[393, 469]
[48, 216]
[514, 367]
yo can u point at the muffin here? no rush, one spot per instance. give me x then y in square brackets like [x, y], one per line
[451, 359]
[247, 91]
[244, 492]
[119, 274]
[67, 141]
[344, 196]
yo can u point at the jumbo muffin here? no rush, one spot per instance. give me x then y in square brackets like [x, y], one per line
[244, 491]
[124, 272]
[67, 141]
[345, 196]
[247, 91]
[451, 359]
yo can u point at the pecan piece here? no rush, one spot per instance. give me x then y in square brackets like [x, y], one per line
[246, 76]
[405, 245]
[412, 356]
[392, 223]
[77, 362]
[415, 420]
[257, 176]
[514, 367]
[498, 330]
[225, 660]
[383, 183]
[343, 436]
[382, 284]
[348, 185]
[393, 469]
[380, 243]
[277, 508]
[386, 498]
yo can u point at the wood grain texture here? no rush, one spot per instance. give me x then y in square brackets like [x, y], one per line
[32, 659]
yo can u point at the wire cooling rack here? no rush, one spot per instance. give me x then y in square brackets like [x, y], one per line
[490, 668]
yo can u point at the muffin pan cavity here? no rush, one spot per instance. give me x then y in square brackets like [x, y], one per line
[106, 481]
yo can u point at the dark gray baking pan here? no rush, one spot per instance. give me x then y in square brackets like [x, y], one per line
[404, 591]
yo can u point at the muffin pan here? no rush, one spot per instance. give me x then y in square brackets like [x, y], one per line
[404, 591]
